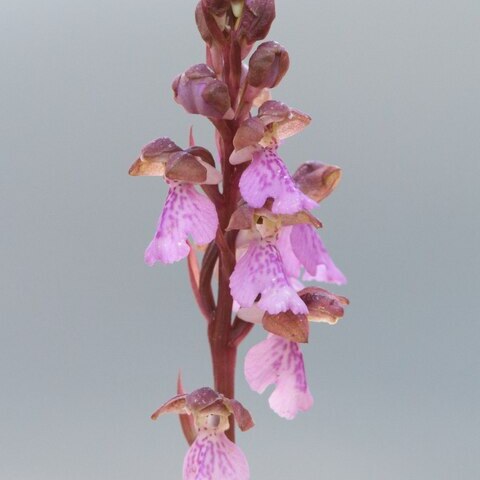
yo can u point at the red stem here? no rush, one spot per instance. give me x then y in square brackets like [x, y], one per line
[224, 337]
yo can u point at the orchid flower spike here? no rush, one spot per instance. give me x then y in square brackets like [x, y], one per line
[259, 236]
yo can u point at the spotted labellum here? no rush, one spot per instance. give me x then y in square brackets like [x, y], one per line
[253, 223]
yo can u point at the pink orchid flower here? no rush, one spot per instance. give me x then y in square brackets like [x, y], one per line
[211, 456]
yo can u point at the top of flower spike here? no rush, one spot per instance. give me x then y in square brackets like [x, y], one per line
[254, 19]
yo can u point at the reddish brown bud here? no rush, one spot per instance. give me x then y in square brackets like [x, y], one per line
[287, 325]
[199, 91]
[317, 180]
[323, 306]
[268, 65]
[255, 20]
[216, 7]
[202, 25]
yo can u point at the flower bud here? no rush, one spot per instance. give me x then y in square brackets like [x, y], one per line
[202, 25]
[268, 65]
[216, 7]
[317, 180]
[153, 158]
[199, 91]
[255, 20]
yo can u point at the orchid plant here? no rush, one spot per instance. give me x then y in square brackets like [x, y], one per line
[252, 223]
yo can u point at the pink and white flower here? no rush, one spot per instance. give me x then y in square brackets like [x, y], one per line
[261, 272]
[268, 177]
[279, 362]
[301, 246]
[186, 213]
[211, 456]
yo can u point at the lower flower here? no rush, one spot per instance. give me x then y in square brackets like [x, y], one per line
[212, 456]
[279, 362]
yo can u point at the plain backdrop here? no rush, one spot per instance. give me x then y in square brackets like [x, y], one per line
[91, 339]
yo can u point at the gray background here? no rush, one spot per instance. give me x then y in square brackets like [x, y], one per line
[91, 338]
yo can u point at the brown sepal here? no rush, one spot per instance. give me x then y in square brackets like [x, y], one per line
[273, 111]
[176, 404]
[241, 414]
[186, 420]
[316, 180]
[183, 167]
[288, 121]
[153, 157]
[250, 132]
[198, 71]
[242, 218]
[217, 97]
[295, 123]
[202, 398]
[161, 147]
[323, 306]
[300, 218]
[203, 153]
[288, 219]
[141, 168]
[287, 325]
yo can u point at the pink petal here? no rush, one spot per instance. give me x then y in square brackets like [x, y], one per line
[186, 212]
[280, 362]
[312, 254]
[261, 271]
[290, 260]
[267, 176]
[214, 457]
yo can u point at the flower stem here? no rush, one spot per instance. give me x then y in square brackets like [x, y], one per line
[220, 333]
